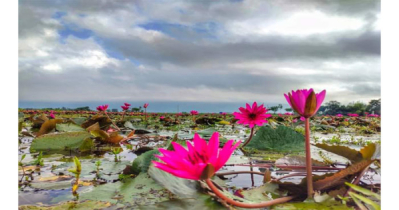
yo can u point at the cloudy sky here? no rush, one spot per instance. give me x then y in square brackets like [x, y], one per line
[197, 51]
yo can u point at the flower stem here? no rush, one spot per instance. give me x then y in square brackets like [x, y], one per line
[123, 115]
[250, 137]
[308, 159]
[246, 205]
[112, 121]
[238, 172]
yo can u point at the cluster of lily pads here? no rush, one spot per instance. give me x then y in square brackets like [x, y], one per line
[195, 160]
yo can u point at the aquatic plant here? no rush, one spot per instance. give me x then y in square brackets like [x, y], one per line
[98, 164]
[201, 161]
[255, 115]
[190, 164]
[103, 109]
[116, 151]
[125, 108]
[359, 198]
[145, 111]
[306, 103]
[20, 164]
[39, 161]
[76, 171]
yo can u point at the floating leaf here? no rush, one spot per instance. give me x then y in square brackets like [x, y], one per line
[351, 154]
[206, 133]
[48, 126]
[139, 190]
[103, 122]
[93, 127]
[297, 160]
[68, 127]
[266, 192]
[79, 120]
[183, 188]
[280, 139]
[128, 124]
[100, 134]
[113, 137]
[143, 162]
[62, 141]
[368, 151]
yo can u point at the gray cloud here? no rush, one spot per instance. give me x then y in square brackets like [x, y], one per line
[196, 50]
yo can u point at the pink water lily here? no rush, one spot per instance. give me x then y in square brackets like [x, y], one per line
[189, 164]
[339, 115]
[125, 108]
[305, 102]
[193, 112]
[373, 115]
[288, 113]
[127, 104]
[255, 115]
[353, 115]
[145, 105]
[302, 118]
[52, 116]
[102, 108]
[161, 117]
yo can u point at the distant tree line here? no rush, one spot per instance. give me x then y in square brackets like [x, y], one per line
[335, 107]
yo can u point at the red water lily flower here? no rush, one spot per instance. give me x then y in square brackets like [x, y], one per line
[305, 102]
[125, 108]
[145, 105]
[189, 164]
[255, 115]
[193, 112]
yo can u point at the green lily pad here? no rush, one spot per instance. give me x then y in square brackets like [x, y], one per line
[139, 190]
[79, 120]
[184, 188]
[128, 124]
[280, 139]
[62, 141]
[263, 193]
[206, 133]
[200, 202]
[68, 127]
[143, 162]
